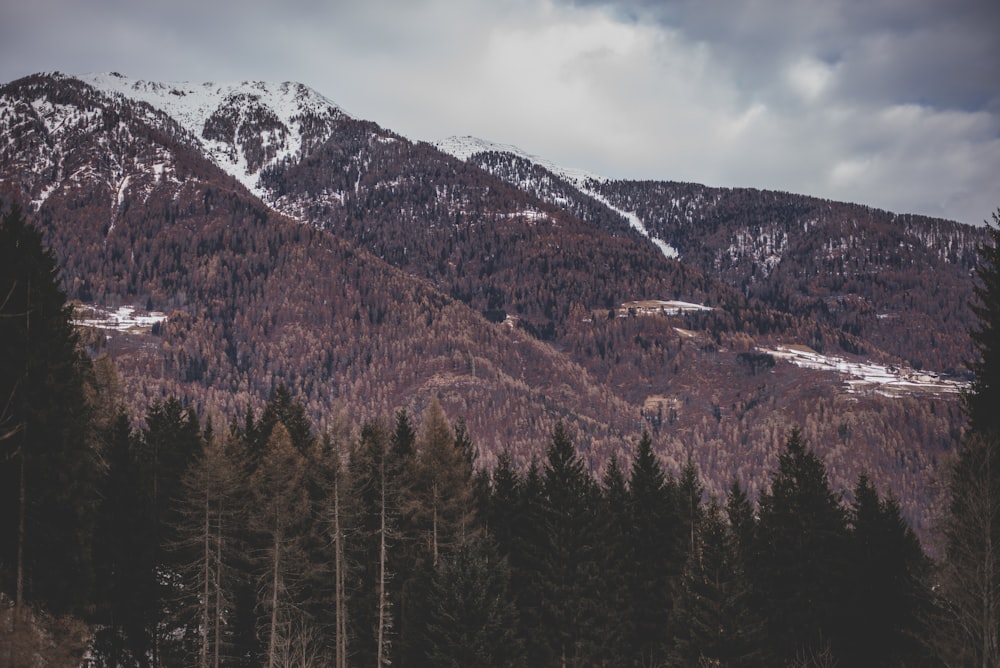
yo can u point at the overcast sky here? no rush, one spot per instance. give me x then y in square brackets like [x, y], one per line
[892, 103]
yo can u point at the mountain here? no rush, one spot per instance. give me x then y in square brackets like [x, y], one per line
[285, 241]
[861, 270]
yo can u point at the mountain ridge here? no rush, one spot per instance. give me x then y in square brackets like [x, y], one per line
[369, 272]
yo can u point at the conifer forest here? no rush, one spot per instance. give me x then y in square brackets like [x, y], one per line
[174, 538]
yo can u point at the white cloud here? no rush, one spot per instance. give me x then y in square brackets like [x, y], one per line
[884, 103]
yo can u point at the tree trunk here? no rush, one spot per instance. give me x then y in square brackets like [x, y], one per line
[207, 575]
[275, 580]
[382, 611]
[217, 651]
[22, 499]
[339, 579]
[434, 525]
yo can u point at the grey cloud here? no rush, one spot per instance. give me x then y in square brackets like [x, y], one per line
[940, 54]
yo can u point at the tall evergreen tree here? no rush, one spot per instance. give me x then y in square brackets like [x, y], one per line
[210, 513]
[281, 506]
[404, 437]
[471, 617]
[689, 493]
[125, 554]
[969, 582]
[371, 617]
[49, 463]
[528, 551]
[655, 535]
[715, 623]
[887, 598]
[799, 563]
[570, 577]
[502, 512]
[983, 397]
[614, 554]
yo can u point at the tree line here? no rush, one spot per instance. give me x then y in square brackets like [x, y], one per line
[263, 542]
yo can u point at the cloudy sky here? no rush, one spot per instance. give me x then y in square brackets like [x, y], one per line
[892, 103]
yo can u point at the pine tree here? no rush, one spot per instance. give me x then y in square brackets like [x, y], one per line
[614, 553]
[969, 582]
[887, 598]
[689, 493]
[656, 537]
[211, 512]
[528, 552]
[404, 438]
[371, 618]
[125, 555]
[714, 622]
[970, 575]
[799, 563]
[49, 466]
[983, 398]
[281, 506]
[502, 512]
[471, 617]
[570, 580]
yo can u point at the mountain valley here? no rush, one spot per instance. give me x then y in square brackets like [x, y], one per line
[286, 242]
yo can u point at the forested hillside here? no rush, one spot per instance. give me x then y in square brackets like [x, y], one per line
[375, 379]
[420, 275]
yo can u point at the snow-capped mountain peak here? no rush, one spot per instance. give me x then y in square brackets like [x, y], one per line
[243, 126]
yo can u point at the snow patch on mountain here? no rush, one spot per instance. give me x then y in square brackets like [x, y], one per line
[889, 381]
[122, 319]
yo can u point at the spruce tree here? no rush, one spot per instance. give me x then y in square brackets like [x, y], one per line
[471, 616]
[404, 437]
[656, 537]
[715, 624]
[573, 591]
[49, 466]
[210, 514]
[528, 552]
[799, 563]
[614, 554]
[502, 512]
[371, 611]
[887, 597]
[125, 554]
[280, 508]
[969, 582]
[983, 398]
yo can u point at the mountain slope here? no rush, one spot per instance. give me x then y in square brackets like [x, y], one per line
[288, 242]
[154, 223]
[241, 127]
[859, 270]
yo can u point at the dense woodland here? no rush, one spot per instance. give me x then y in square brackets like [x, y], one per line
[433, 278]
[269, 542]
[844, 265]
[446, 347]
